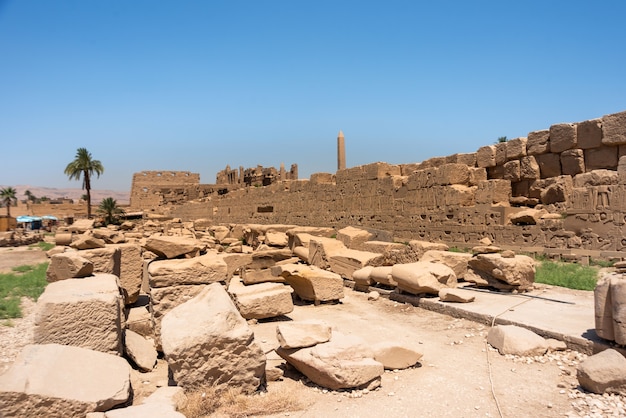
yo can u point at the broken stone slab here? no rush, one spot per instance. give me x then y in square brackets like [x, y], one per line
[84, 312]
[173, 396]
[261, 276]
[276, 239]
[87, 242]
[262, 300]
[456, 261]
[302, 253]
[81, 225]
[321, 249]
[268, 258]
[362, 277]
[354, 238]
[604, 372]
[511, 339]
[55, 380]
[603, 306]
[151, 410]
[204, 269]
[302, 334]
[109, 236]
[395, 356]
[130, 270]
[382, 247]
[456, 295]
[235, 262]
[420, 247]
[527, 216]
[172, 247]
[347, 261]
[312, 283]
[342, 363]
[105, 260]
[140, 350]
[300, 236]
[421, 277]
[139, 320]
[207, 342]
[68, 265]
[383, 275]
[517, 273]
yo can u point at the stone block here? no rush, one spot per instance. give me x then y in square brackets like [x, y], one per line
[456, 261]
[549, 165]
[312, 283]
[140, 350]
[454, 174]
[614, 129]
[53, 380]
[529, 168]
[511, 339]
[422, 277]
[538, 142]
[84, 313]
[603, 306]
[596, 178]
[68, 265]
[302, 334]
[516, 148]
[207, 342]
[512, 170]
[322, 178]
[517, 273]
[604, 372]
[486, 156]
[456, 295]
[469, 159]
[139, 320]
[589, 134]
[477, 175]
[621, 170]
[262, 300]
[87, 242]
[172, 247]
[496, 172]
[394, 356]
[105, 260]
[131, 271]
[493, 192]
[562, 137]
[501, 156]
[380, 170]
[599, 158]
[572, 162]
[353, 237]
[383, 275]
[204, 269]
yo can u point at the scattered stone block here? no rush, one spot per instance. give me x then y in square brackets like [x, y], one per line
[85, 313]
[54, 380]
[87, 242]
[174, 396]
[456, 261]
[204, 269]
[262, 276]
[140, 350]
[527, 216]
[508, 274]
[276, 239]
[344, 362]
[422, 277]
[362, 277]
[172, 247]
[312, 283]
[456, 295]
[105, 260]
[604, 372]
[262, 300]
[511, 339]
[207, 342]
[139, 320]
[354, 238]
[81, 225]
[302, 334]
[109, 236]
[395, 356]
[68, 265]
[383, 275]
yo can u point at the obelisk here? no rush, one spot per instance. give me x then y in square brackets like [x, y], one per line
[341, 152]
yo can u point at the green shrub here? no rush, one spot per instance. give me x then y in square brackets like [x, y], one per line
[570, 275]
[28, 281]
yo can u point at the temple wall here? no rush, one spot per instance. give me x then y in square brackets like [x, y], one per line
[572, 171]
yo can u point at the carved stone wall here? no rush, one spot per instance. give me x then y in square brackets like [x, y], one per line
[154, 189]
[573, 171]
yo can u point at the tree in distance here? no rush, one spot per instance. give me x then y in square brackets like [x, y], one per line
[108, 207]
[84, 166]
[8, 196]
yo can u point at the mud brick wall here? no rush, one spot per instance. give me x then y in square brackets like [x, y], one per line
[573, 171]
[153, 189]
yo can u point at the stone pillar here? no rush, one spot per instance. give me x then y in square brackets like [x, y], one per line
[282, 172]
[341, 152]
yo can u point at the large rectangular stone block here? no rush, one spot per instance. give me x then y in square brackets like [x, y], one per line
[572, 162]
[562, 137]
[512, 170]
[380, 170]
[453, 174]
[501, 156]
[493, 192]
[538, 142]
[604, 157]
[84, 313]
[486, 156]
[516, 148]
[549, 165]
[614, 129]
[589, 134]
[529, 168]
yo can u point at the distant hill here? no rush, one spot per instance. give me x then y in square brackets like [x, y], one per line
[123, 198]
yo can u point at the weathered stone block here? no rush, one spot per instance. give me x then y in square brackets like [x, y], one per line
[598, 158]
[380, 170]
[84, 313]
[302, 334]
[205, 269]
[68, 265]
[529, 168]
[454, 174]
[105, 260]
[312, 283]
[516, 148]
[572, 162]
[501, 156]
[614, 129]
[456, 261]
[604, 372]
[549, 165]
[512, 170]
[562, 137]
[538, 142]
[589, 134]
[493, 192]
[262, 300]
[477, 175]
[422, 277]
[486, 156]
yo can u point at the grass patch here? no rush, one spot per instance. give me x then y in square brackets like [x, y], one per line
[234, 404]
[570, 275]
[459, 250]
[28, 281]
[43, 245]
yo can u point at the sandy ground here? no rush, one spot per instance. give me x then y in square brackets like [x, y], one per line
[453, 379]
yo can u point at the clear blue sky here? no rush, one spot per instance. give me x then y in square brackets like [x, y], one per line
[197, 85]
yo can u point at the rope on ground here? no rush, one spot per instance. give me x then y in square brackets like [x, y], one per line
[493, 321]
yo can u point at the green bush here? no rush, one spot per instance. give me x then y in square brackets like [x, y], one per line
[570, 275]
[28, 281]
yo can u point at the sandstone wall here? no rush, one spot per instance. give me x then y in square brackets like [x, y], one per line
[152, 189]
[571, 170]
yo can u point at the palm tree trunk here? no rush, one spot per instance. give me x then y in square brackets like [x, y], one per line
[88, 188]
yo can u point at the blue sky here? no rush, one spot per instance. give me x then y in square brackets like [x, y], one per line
[197, 85]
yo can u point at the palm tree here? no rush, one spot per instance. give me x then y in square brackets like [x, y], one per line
[108, 207]
[83, 165]
[8, 195]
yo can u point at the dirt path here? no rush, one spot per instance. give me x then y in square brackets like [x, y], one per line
[20, 256]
